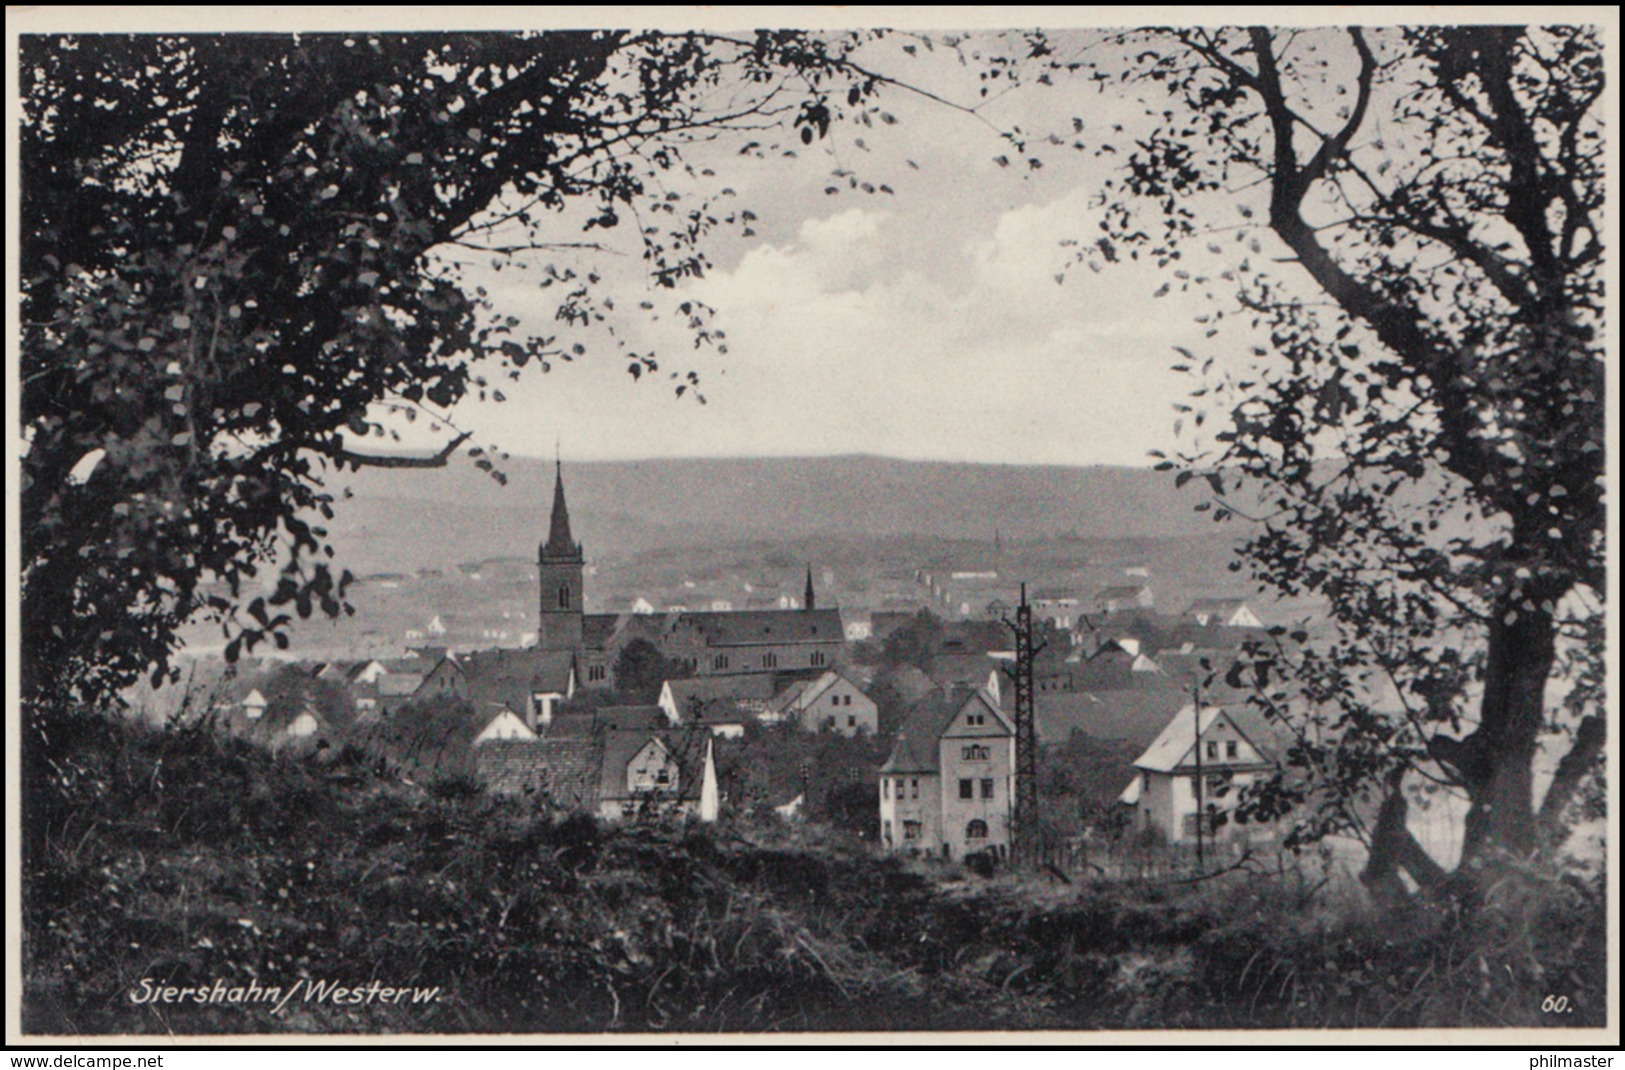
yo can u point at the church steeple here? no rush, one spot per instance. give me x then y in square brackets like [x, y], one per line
[560, 546]
[809, 599]
[560, 568]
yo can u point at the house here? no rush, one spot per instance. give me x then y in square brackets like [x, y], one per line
[1190, 769]
[1126, 597]
[617, 774]
[563, 769]
[253, 705]
[1061, 608]
[658, 774]
[831, 701]
[307, 722]
[967, 670]
[948, 786]
[395, 689]
[525, 685]
[725, 704]
[1223, 612]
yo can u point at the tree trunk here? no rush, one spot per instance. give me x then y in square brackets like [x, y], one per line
[1394, 849]
[1496, 763]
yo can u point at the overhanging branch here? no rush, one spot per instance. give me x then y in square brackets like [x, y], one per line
[375, 460]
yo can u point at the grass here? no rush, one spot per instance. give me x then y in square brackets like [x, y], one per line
[186, 858]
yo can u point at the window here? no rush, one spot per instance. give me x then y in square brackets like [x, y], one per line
[987, 787]
[564, 596]
[965, 791]
[976, 830]
[835, 700]
[911, 830]
[817, 659]
[663, 777]
[885, 789]
[719, 661]
[974, 718]
[1231, 749]
[1212, 749]
[851, 721]
[595, 672]
[974, 753]
[915, 785]
[770, 661]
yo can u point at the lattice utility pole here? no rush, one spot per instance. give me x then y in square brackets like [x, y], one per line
[1025, 830]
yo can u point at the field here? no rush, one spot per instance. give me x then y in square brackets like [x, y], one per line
[185, 859]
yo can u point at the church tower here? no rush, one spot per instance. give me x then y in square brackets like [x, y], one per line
[809, 599]
[560, 565]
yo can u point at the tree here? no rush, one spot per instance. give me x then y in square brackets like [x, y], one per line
[641, 669]
[915, 643]
[1419, 440]
[238, 251]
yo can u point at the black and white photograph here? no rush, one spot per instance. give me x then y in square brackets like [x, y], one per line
[939, 525]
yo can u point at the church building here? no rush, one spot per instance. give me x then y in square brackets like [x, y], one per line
[784, 644]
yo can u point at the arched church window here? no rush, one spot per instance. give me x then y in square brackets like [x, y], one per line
[564, 596]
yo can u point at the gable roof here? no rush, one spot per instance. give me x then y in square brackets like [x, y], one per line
[1128, 590]
[618, 748]
[398, 684]
[971, 669]
[570, 765]
[789, 697]
[803, 693]
[703, 690]
[509, 677]
[1167, 752]
[915, 749]
[1216, 605]
[1135, 717]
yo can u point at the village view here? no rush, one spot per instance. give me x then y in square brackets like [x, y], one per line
[694, 531]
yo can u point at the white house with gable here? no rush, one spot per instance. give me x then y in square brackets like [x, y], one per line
[1185, 762]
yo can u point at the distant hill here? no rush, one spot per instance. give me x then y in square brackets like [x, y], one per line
[408, 518]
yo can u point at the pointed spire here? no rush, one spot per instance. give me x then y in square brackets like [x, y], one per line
[559, 543]
[809, 599]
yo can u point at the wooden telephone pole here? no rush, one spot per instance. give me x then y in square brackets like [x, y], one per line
[1025, 818]
[1196, 707]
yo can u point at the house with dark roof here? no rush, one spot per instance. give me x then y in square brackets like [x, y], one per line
[523, 685]
[967, 669]
[948, 786]
[1197, 765]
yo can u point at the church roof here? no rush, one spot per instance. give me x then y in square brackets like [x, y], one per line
[767, 626]
[597, 629]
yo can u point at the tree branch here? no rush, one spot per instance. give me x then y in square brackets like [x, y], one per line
[1571, 771]
[373, 460]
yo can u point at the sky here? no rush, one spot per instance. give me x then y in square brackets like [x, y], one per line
[922, 324]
